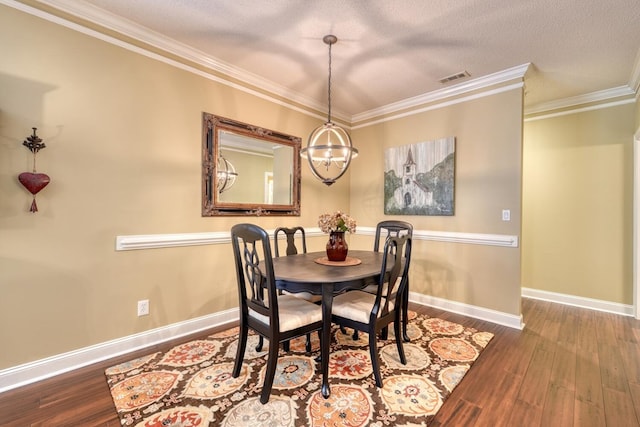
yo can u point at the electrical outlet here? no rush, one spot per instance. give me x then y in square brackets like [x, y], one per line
[143, 307]
[506, 215]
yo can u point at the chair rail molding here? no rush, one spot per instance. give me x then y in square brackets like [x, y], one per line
[456, 237]
[154, 241]
[151, 241]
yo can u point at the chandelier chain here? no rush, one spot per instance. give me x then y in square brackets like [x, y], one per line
[329, 85]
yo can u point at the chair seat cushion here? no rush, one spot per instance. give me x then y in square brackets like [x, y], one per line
[373, 288]
[307, 296]
[293, 313]
[355, 305]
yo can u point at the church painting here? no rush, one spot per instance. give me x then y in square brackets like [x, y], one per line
[419, 178]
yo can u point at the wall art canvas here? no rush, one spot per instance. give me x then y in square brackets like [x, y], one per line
[419, 178]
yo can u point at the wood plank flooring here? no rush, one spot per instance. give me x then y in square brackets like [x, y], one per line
[568, 367]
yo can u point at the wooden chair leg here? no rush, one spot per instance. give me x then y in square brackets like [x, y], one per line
[242, 345]
[396, 328]
[318, 358]
[308, 345]
[272, 363]
[355, 335]
[286, 346]
[260, 343]
[405, 312]
[384, 333]
[375, 359]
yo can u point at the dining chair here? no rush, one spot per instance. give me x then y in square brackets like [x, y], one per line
[276, 317]
[292, 234]
[384, 229]
[371, 313]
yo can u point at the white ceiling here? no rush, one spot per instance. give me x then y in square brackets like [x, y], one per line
[392, 50]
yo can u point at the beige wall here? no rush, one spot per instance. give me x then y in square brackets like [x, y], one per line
[123, 137]
[488, 134]
[577, 204]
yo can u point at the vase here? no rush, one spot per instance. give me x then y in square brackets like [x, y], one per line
[336, 246]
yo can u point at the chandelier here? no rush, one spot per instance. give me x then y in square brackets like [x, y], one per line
[226, 174]
[329, 150]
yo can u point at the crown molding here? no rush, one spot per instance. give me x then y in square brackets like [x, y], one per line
[573, 101]
[634, 80]
[630, 91]
[480, 83]
[578, 109]
[275, 92]
[119, 25]
[445, 103]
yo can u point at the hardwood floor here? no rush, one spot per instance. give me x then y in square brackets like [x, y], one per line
[569, 367]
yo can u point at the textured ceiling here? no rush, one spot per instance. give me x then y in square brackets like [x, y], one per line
[392, 50]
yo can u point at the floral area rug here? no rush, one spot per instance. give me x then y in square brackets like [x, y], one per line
[191, 384]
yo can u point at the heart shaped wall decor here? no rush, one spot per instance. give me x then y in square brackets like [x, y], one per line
[34, 182]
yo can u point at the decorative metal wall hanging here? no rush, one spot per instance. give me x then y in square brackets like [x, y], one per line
[34, 181]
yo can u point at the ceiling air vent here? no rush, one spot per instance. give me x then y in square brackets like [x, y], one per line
[453, 77]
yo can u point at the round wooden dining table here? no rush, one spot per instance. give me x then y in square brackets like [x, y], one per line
[309, 273]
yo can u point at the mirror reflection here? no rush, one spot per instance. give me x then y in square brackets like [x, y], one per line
[249, 170]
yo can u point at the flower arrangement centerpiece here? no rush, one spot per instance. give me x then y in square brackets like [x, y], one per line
[336, 224]
[337, 221]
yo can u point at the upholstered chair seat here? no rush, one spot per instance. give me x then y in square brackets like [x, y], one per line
[293, 313]
[355, 305]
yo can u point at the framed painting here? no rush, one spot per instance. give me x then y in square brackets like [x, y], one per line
[419, 178]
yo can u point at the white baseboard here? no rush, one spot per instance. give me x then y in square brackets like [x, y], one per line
[31, 372]
[38, 370]
[576, 301]
[476, 312]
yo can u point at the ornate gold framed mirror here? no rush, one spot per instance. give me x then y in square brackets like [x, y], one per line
[248, 170]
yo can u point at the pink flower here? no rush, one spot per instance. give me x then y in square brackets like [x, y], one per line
[337, 221]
